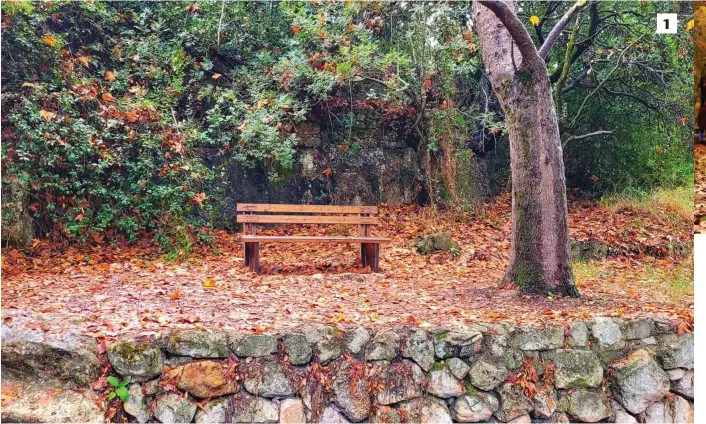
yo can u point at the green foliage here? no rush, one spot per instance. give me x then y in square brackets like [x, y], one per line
[119, 389]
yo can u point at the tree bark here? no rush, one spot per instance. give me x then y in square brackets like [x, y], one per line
[540, 260]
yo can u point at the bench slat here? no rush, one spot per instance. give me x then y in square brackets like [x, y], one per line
[307, 219]
[254, 207]
[315, 239]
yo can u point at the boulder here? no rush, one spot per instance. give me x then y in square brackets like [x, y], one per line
[685, 385]
[174, 408]
[297, 348]
[513, 402]
[139, 361]
[136, 404]
[638, 328]
[255, 345]
[638, 381]
[198, 344]
[530, 338]
[458, 367]
[400, 380]
[266, 379]
[332, 416]
[328, 342]
[676, 373]
[674, 351]
[444, 385]
[672, 409]
[461, 344]
[575, 368]
[620, 415]
[420, 348]
[356, 340]
[477, 407]
[291, 411]
[205, 379]
[436, 242]
[435, 411]
[578, 334]
[49, 405]
[248, 409]
[385, 414]
[487, 375]
[69, 357]
[545, 402]
[588, 250]
[351, 389]
[384, 347]
[216, 411]
[606, 332]
[588, 406]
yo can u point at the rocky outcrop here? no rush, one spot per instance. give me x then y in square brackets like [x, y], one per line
[437, 242]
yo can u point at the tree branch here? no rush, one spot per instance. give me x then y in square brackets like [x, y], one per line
[559, 27]
[580, 137]
[513, 26]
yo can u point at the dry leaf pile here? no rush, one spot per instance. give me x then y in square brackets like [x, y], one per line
[108, 291]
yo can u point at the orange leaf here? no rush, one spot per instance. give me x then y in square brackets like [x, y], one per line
[107, 97]
[47, 115]
[296, 29]
[327, 172]
[209, 284]
[110, 76]
[49, 40]
[176, 295]
[216, 76]
[85, 60]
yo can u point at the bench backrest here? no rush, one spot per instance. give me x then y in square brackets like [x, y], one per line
[252, 213]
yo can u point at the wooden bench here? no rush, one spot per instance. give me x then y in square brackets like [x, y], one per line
[250, 214]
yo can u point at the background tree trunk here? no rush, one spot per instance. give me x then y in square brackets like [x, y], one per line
[540, 260]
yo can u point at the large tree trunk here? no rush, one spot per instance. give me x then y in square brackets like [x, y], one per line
[540, 260]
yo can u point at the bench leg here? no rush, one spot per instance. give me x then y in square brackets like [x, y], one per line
[372, 255]
[255, 257]
[363, 255]
[247, 254]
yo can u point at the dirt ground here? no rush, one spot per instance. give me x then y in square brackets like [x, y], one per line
[108, 291]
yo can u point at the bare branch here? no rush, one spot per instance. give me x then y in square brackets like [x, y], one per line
[513, 26]
[580, 137]
[559, 27]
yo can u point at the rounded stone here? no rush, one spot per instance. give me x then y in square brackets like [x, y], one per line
[137, 361]
[478, 407]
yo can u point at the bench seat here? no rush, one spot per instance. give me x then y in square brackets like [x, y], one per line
[314, 239]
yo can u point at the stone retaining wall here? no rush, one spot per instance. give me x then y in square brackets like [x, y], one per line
[604, 369]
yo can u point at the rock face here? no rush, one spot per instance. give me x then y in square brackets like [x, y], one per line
[420, 348]
[670, 410]
[136, 404]
[216, 412]
[486, 375]
[291, 411]
[530, 338]
[606, 332]
[513, 402]
[675, 351]
[173, 408]
[474, 408]
[435, 411]
[458, 367]
[198, 344]
[402, 382]
[578, 334]
[433, 243]
[444, 385]
[575, 368]
[640, 328]
[205, 379]
[139, 361]
[685, 385]
[384, 347]
[351, 388]
[249, 409]
[68, 357]
[588, 250]
[267, 379]
[356, 340]
[588, 406]
[638, 381]
[297, 348]
[331, 415]
[461, 344]
[49, 405]
[328, 343]
[256, 345]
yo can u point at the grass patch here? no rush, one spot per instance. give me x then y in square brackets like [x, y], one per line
[674, 282]
[671, 204]
[587, 270]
